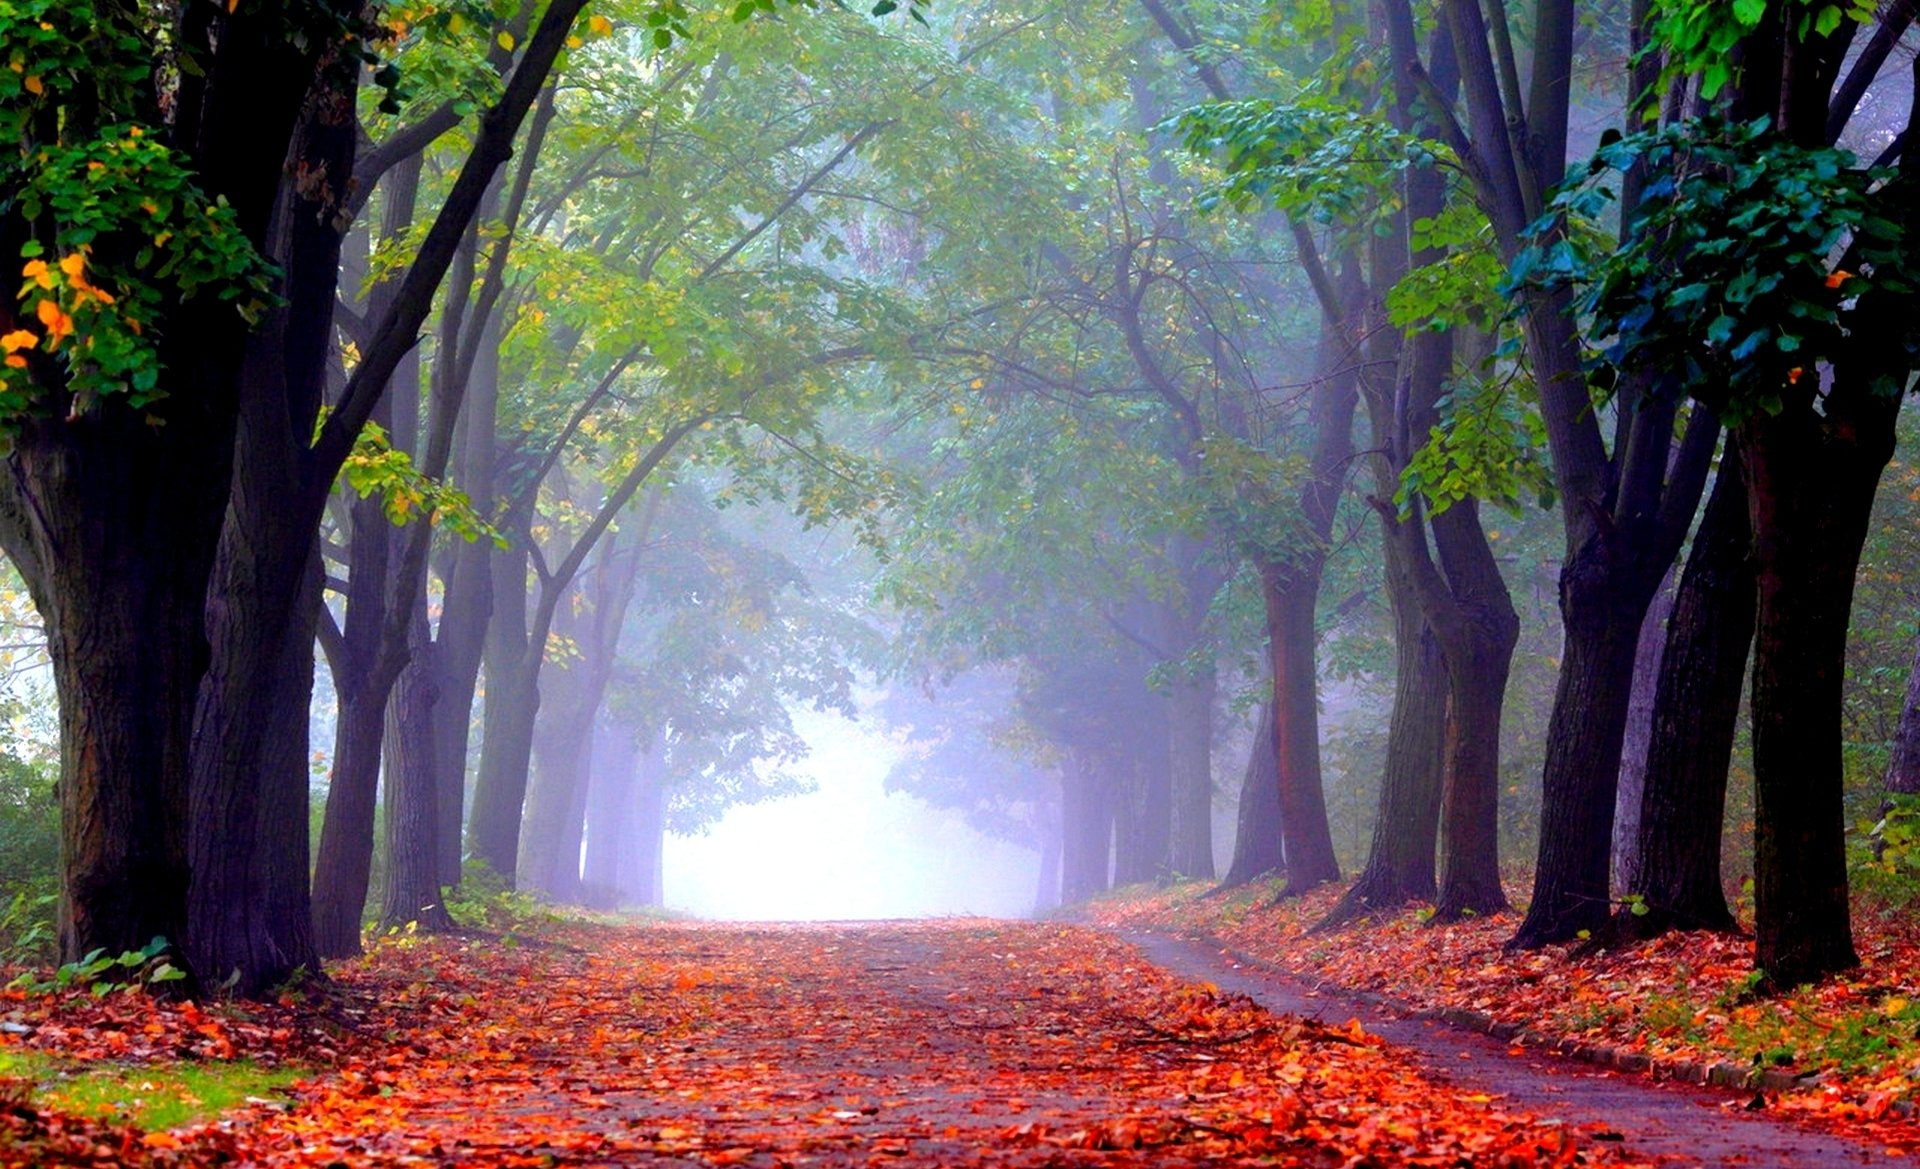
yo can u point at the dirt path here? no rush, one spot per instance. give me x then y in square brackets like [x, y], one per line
[922, 1044]
[1664, 1121]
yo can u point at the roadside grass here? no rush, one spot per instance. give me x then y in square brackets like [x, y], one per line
[153, 1097]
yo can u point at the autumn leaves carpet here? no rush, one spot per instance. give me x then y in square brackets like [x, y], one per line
[950, 1043]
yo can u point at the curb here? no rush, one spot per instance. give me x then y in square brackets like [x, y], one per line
[1614, 1058]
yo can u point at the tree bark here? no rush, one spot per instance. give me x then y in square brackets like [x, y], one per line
[413, 897]
[1308, 838]
[1674, 866]
[1638, 737]
[1258, 838]
[1811, 476]
[1601, 618]
[512, 701]
[1476, 696]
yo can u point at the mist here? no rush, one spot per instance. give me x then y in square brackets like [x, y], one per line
[847, 850]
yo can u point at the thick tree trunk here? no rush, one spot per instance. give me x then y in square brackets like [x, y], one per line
[1470, 823]
[112, 524]
[1674, 866]
[1290, 602]
[413, 896]
[1258, 847]
[1190, 752]
[1400, 861]
[1479, 636]
[1601, 610]
[282, 843]
[241, 935]
[1903, 766]
[1811, 477]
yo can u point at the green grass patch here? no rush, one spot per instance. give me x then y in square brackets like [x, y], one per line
[152, 1097]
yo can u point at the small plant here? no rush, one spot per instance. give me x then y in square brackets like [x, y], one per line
[484, 900]
[26, 929]
[103, 973]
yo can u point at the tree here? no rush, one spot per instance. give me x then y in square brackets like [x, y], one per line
[194, 451]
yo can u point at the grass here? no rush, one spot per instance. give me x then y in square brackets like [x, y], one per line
[154, 1098]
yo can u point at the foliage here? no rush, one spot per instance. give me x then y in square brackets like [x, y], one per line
[1316, 158]
[1489, 444]
[1727, 286]
[1702, 36]
[485, 900]
[103, 973]
[376, 467]
[117, 231]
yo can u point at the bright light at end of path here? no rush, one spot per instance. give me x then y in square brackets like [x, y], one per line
[847, 851]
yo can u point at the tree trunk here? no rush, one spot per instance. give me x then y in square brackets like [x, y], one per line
[641, 868]
[461, 635]
[1811, 476]
[1190, 752]
[1086, 829]
[1258, 833]
[1903, 766]
[361, 682]
[610, 812]
[1638, 737]
[239, 934]
[1290, 602]
[1674, 866]
[112, 524]
[1601, 611]
[282, 843]
[549, 860]
[1046, 894]
[512, 701]
[1400, 861]
[413, 896]
[1470, 823]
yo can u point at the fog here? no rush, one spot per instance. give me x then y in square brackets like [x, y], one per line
[848, 850]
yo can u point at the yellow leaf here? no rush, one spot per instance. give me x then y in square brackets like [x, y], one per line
[601, 26]
[505, 41]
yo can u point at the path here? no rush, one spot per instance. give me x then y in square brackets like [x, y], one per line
[946, 1043]
[1666, 1120]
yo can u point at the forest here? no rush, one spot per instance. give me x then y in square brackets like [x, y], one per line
[1411, 495]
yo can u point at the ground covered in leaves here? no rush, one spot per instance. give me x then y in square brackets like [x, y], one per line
[1853, 1042]
[952, 1043]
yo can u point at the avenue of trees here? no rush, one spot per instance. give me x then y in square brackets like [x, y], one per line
[1345, 440]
